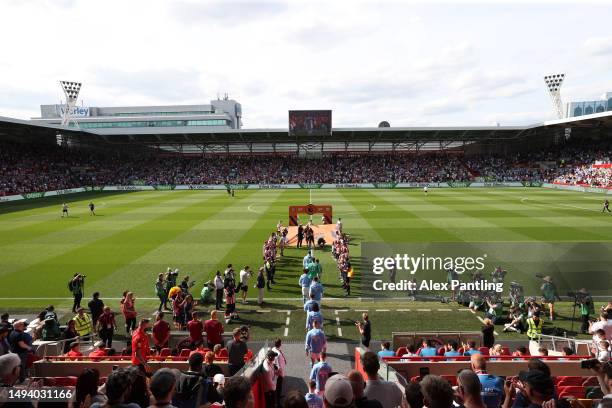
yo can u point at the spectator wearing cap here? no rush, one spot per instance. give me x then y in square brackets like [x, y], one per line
[237, 393]
[386, 392]
[10, 369]
[216, 391]
[99, 352]
[312, 398]
[191, 386]
[161, 332]
[281, 362]
[269, 375]
[140, 344]
[162, 385]
[492, 386]
[316, 342]
[236, 350]
[5, 347]
[83, 324]
[214, 330]
[320, 372]
[437, 392]
[21, 344]
[75, 352]
[358, 384]
[535, 386]
[338, 393]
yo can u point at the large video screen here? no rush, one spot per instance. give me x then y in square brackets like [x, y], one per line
[310, 122]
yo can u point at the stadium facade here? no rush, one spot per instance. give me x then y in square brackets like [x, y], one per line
[580, 108]
[220, 114]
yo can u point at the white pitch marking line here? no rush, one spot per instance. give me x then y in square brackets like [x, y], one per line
[382, 310]
[445, 310]
[264, 311]
[403, 310]
[423, 310]
[341, 310]
[336, 312]
[339, 328]
[286, 331]
[287, 321]
[361, 310]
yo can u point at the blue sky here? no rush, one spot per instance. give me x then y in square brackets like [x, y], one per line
[411, 63]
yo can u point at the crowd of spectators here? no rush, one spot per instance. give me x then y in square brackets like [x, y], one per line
[26, 168]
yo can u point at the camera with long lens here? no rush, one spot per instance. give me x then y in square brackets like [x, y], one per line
[579, 297]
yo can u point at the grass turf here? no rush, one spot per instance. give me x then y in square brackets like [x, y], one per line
[137, 235]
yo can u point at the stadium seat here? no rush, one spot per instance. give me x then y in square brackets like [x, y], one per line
[64, 381]
[568, 380]
[590, 382]
[571, 391]
[248, 356]
[185, 352]
[484, 351]
[222, 353]
[506, 351]
[165, 352]
[441, 351]
[401, 351]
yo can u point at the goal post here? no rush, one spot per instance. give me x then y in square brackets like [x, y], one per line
[310, 209]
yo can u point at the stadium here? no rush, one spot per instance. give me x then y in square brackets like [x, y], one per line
[169, 255]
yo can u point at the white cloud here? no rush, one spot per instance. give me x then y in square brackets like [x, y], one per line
[410, 63]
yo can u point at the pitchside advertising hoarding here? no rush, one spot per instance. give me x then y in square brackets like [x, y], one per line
[310, 122]
[483, 270]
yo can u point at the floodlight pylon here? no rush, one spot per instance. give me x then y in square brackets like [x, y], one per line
[71, 91]
[553, 83]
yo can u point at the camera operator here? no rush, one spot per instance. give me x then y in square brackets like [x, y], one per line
[585, 302]
[170, 283]
[76, 286]
[549, 295]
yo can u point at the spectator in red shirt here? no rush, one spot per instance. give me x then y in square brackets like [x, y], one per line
[195, 328]
[214, 330]
[99, 352]
[140, 344]
[74, 352]
[161, 332]
[107, 326]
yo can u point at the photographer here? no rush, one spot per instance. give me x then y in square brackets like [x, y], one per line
[161, 292]
[585, 302]
[76, 286]
[365, 330]
[549, 295]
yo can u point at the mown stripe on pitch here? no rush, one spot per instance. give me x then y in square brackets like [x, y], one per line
[92, 251]
[44, 223]
[191, 248]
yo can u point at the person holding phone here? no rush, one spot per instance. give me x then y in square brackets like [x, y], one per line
[365, 330]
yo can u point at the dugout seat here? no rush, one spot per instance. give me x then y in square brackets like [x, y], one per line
[401, 351]
[571, 391]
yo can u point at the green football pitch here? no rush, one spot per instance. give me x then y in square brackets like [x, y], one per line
[137, 235]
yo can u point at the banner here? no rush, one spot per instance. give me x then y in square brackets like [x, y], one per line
[274, 186]
[65, 191]
[581, 189]
[11, 198]
[164, 187]
[310, 185]
[532, 183]
[29, 196]
[237, 186]
[459, 184]
[199, 187]
[348, 185]
[127, 188]
[94, 188]
[385, 185]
